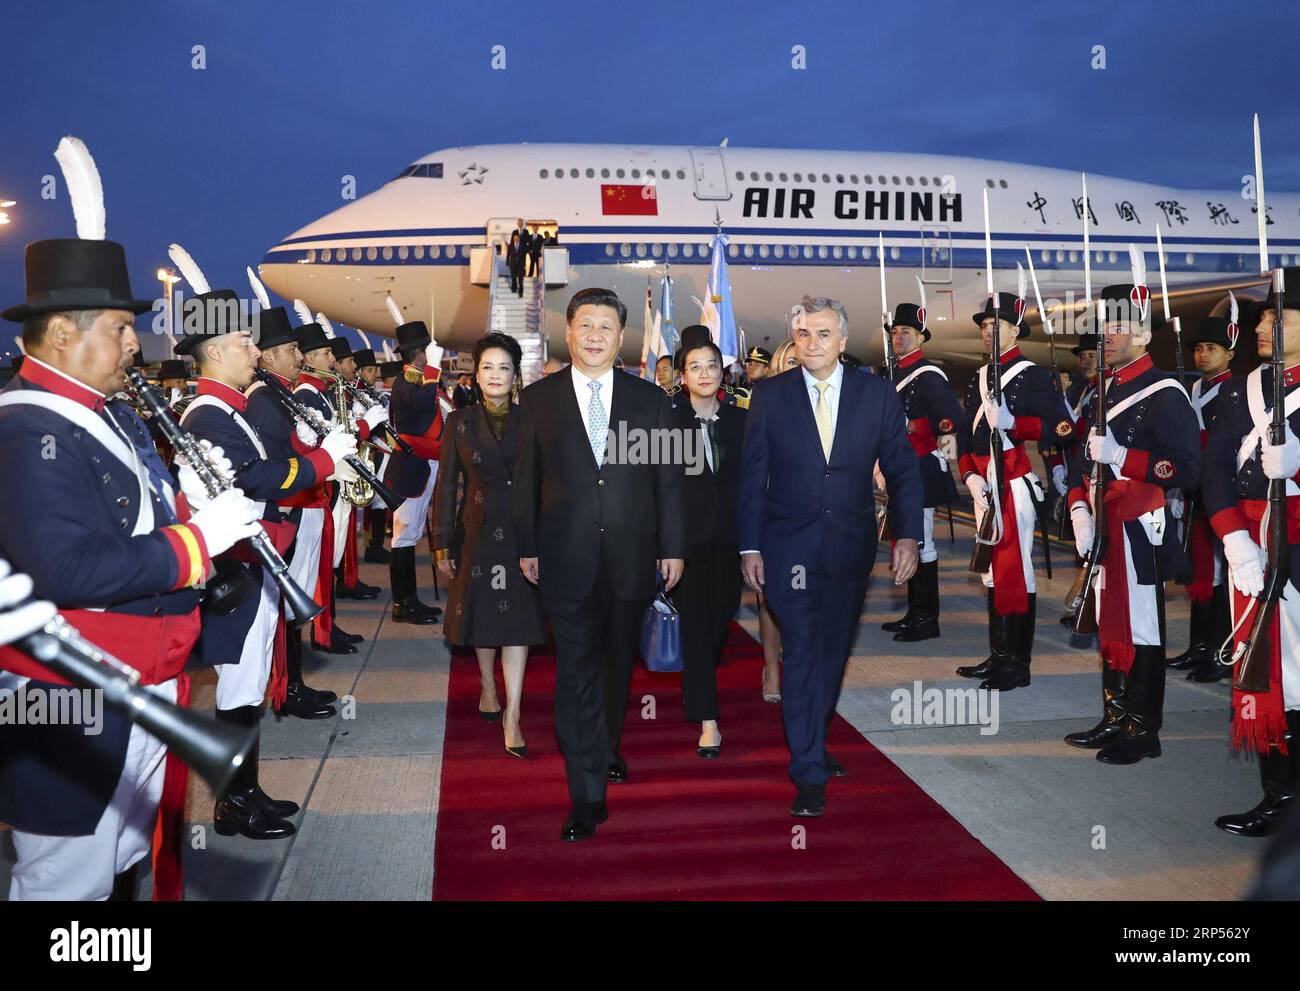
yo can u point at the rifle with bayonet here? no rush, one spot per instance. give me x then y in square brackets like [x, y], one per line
[989, 533]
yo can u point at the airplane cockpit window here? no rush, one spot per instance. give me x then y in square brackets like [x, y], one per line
[427, 170]
[1002, 183]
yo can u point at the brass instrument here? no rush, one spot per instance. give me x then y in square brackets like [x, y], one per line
[359, 493]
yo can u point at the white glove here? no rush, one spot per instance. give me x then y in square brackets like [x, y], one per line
[27, 619]
[1245, 562]
[375, 416]
[344, 472]
[228, 519]
[195, 492]
[338, 444]
[979, 490]
[1084, 531]
[1000, 416]
[433, 354]
[1106, 450]
[1282, 461]
[305, 434]
[1174, 503]
[1058, 480]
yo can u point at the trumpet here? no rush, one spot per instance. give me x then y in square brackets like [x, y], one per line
[302, 609]
[317, 424]
[215, 750]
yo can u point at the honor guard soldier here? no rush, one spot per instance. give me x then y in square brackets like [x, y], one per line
[90, 513]
[245, 644]
[1031, 410]
[416, 413]
[932, 411]
[1239, 462]
[757, 363]
[1207, 590]
[173, 378]
[376, 517]
[1151, 446]
[280, 356]
[1083, 387]
[347, 583]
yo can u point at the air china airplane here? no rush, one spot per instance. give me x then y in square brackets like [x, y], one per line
[797, 222]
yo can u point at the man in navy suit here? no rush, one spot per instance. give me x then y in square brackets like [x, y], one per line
[807, 520]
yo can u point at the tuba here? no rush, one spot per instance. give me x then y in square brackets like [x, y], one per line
[358, 493]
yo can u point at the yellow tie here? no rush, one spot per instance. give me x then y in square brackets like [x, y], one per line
[822, 414]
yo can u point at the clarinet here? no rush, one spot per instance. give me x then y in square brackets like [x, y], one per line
[368, 402]
[215, 750]
[302, 609]
[313, 421]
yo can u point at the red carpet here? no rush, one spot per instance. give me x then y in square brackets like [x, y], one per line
[683, 827]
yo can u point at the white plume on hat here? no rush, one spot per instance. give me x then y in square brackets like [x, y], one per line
[85, 189]
[189, 269]
[259, 290]
[394, 310]
[328, 327]
[304, 314]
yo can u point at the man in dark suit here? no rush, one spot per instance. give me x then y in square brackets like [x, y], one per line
[594, 524]
[807, 520]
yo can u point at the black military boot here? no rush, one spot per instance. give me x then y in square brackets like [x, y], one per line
[1198, 644]
[1140, 735]
[1219, 627]
[1114, 706]
[997, 644]
[898, 625]
[245, 808]
[925, 624]
[1013, 671]
[1278, 775]
[375, 551]
[300, 700]
[408, 608]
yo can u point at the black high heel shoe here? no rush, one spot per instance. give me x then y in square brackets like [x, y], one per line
[490, 717]
[521, 752]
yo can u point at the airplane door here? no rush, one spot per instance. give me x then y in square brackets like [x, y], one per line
[710, 174]
[936, 254]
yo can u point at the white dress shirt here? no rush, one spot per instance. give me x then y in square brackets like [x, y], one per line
[836, 381]
[582, 390]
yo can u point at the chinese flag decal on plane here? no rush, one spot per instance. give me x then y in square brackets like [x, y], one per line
[633, 199]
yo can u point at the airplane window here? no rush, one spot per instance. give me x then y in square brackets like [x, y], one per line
[657, 250]
[784, 177]
[435, 251]
[1098, 256]
[807, 251]
[1045, 256]
[620, 173]
[825, 178]
[559, 173]
[925, 181]
[867, 179]
[388, 254]
[778, 250]
[417, 252]
[573, 173]
[1074, 257]
[893, 253]
[897, 181]
[798, 177]
[604, 173]
[640, 250]
[839, 178]
[672, 251]
[544, 174]
[882, 180]
[753, 177]
[1060, 257]
[837, 252]
[767, 176]
[852, 250]
[371, 253]
[311, 254]
[356, 254]
[812, 176]
[938, 181]
[636, 173]
[1110, 257]
[740, 177]
[764, 251]
[681, 173]
[1191, 258]
[403, 252]
[853, 179]
[625, 250]
[911, 181]
[821, 251]
[1002, 183]
[464, 250]
[748, 251]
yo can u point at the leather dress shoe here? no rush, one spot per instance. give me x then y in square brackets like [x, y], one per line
[1209, 671]
[280, 808]
[837, 769]
[899, 625]
[583, 820]
[925, 628]
[413, 611]
[302, 702]
[809, 802]
[1188, 659]
[345, 636]
[241, 812]
[335, 646]
[358, 591]
[1130, 746]
[376, 554]
[981, 670]
[618, 770]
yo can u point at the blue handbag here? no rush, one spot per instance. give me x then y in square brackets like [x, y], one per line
[661, 636]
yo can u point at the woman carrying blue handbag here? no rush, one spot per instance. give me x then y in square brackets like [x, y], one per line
[709, 593]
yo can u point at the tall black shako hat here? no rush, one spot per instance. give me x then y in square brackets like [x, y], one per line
[173, 368]
[1087, 342]
[1129, 302]
[365, 358]
[273, 324]
[913, 314]
[210, 312]
[87, 272]
[1223, 331]
[309, 334]
[410, 333]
